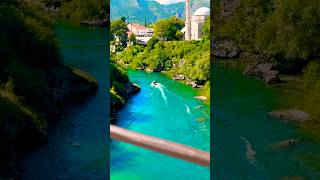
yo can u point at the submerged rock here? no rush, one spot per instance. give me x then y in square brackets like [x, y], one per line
[285, 144]
[294, 115]
[265, 71]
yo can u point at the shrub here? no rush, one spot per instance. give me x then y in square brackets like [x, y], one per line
[312, 74]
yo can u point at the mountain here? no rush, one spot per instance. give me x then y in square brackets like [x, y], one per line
[150, 10]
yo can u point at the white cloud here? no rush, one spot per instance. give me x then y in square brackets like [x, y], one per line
[169, 1]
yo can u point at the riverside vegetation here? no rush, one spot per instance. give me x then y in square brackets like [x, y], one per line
[281, 33]
[93, 12]
[182, 60]
[34, 82]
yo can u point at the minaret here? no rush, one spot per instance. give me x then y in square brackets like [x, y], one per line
[187, 22]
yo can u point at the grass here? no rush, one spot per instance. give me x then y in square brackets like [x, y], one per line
[84, 75]
[7, 94]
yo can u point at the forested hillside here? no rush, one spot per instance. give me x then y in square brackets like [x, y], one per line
[78, 10]
[150, 10]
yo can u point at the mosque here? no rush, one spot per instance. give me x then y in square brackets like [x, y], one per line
[194, 23]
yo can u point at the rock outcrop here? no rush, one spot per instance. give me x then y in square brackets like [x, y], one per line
[264, 70]
[68, 85]
[178, 77]
[23, 127]
[195, 83]
[192, 83]
[97, 22]
[132, 89]
[226, 49]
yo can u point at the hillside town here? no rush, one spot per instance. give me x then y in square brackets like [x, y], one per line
[141, 34]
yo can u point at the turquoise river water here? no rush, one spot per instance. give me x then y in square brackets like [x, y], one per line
[170, 112]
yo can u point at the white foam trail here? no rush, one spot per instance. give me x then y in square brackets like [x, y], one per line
[160, 87]
[188, 110]
[250, 153]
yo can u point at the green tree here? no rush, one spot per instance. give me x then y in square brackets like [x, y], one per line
[119, 29]
[133, 39]
[292, 30]
[79, 10]
[242, 26]
[312, 74]
[206, 27]
[151, 43]
[166, 29]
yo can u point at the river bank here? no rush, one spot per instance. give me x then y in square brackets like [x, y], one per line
[290, 86]
[184, 61]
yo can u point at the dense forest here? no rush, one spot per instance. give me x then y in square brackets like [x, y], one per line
[79, 10]
[34, 82]
[285, 33]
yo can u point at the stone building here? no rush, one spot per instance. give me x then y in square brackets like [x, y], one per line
[194, 23]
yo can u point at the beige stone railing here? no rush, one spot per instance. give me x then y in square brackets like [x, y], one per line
[159, 145]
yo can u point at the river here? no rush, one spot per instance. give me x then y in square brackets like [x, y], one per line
[170, 112]
[77, 142]
[244, 134]
[77, 146]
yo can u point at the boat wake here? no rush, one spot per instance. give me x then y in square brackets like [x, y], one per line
[188, 110]
[161, 89]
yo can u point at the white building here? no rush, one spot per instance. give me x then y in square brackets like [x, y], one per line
[143, 34]
[197, 22]
[194, 24]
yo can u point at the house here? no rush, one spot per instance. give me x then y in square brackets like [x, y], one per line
[143, 34]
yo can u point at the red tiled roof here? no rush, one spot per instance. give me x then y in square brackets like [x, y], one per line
[138, 26]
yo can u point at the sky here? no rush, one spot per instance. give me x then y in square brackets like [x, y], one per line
[169, 1]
